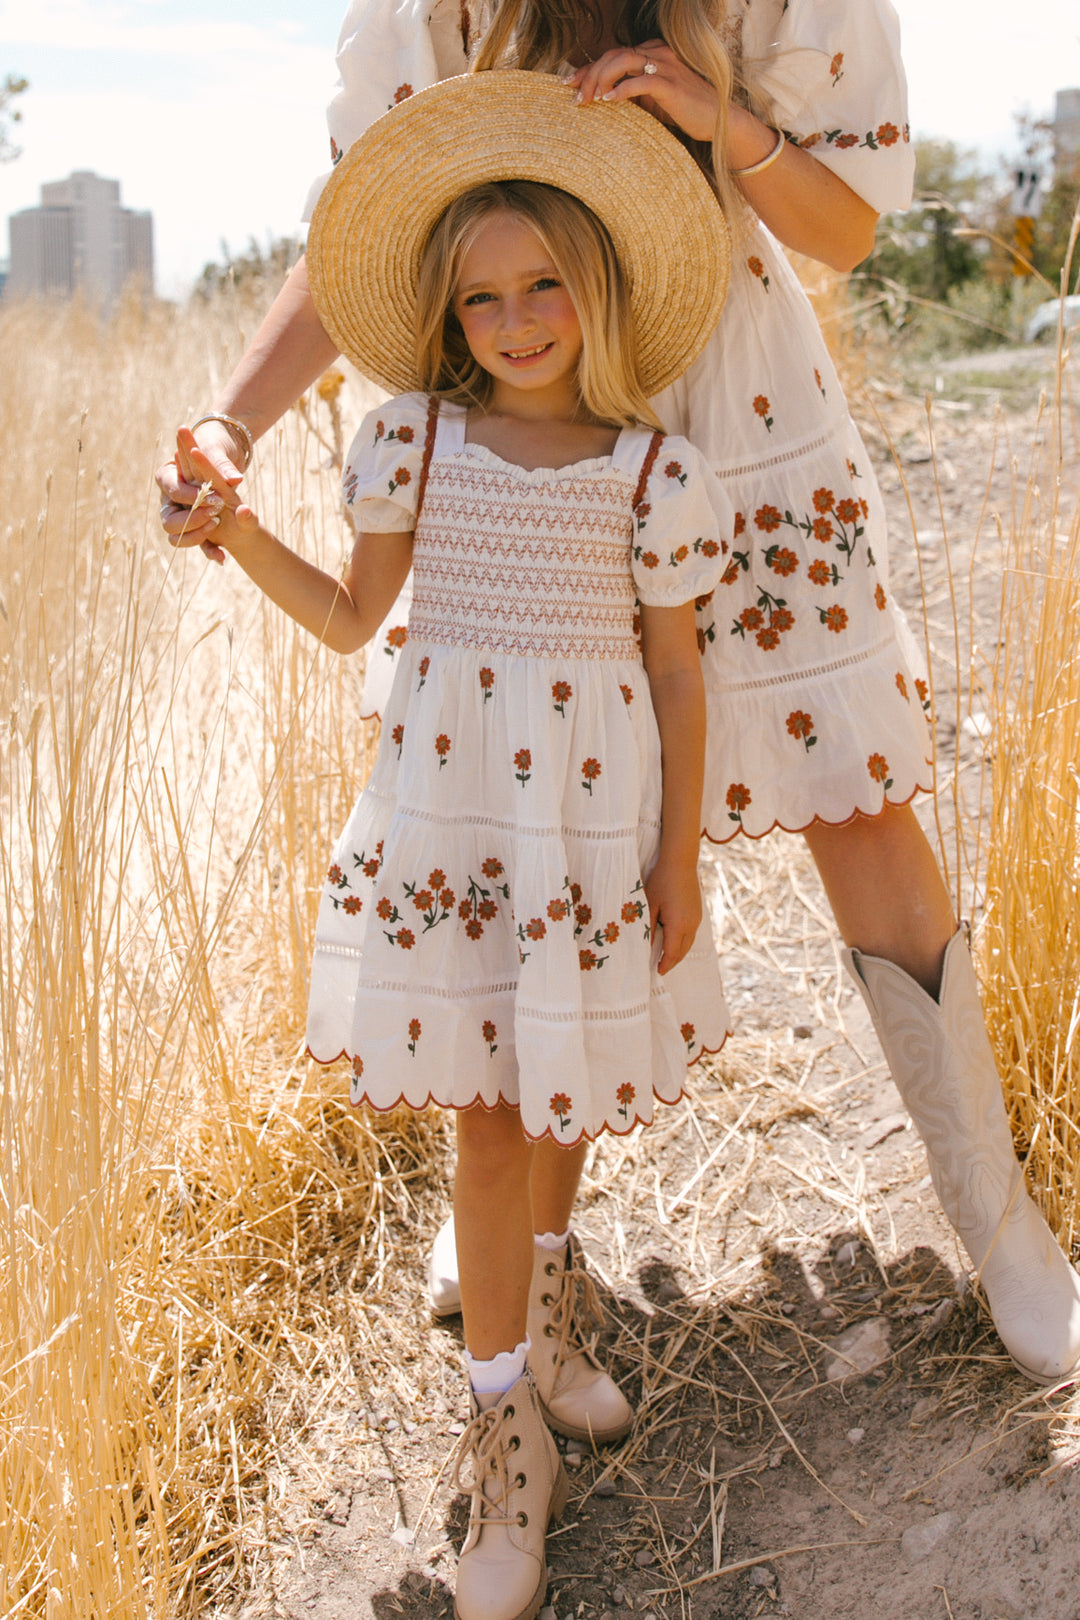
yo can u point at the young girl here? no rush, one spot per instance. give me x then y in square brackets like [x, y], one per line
[518, 880]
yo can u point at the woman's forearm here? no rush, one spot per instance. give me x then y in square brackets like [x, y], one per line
[805, 205]
[288, 352]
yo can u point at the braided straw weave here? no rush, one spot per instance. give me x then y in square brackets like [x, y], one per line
[387, 192]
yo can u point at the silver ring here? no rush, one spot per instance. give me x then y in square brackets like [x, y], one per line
[650, 66]
[166, 508]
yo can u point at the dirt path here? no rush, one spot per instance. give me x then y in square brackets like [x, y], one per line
[733, 1244]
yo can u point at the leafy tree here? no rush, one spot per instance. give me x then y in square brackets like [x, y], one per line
[11, 87]
[921, 250]
[250, 271]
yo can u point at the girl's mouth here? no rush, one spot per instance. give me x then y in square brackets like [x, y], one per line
[526, 354]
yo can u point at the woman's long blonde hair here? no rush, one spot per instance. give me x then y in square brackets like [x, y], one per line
[581, 251]
[543, 35]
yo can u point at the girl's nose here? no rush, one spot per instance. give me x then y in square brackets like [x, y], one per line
[517, 317]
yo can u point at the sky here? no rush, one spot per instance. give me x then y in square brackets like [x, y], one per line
[211, 113]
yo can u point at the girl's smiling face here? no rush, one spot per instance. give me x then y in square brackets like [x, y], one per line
[518, 320]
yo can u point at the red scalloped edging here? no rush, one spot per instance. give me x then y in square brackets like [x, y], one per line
[817, 821]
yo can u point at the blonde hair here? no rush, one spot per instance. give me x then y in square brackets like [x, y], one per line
[543, 35]
[582, 252]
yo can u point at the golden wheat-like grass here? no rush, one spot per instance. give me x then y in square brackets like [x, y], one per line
[173, 1174]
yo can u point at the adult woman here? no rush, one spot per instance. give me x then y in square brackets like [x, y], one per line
[816, 716]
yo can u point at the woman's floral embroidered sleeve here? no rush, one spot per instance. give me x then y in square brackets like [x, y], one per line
[682, 529]
[832, 79]
[382, 468]
[387, 50]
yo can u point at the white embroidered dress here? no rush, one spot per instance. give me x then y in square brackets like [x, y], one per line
[815, 690]
[484, 933]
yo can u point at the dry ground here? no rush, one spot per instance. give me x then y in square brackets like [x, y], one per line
[785, 1204]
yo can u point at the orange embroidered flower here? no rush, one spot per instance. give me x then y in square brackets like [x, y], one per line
[782, 620]
[819, 572]
[844, 141]
[740, 525]
[414, 1029]
[823, 500]
[557, 910]
[923, 692]
[575, 892]
[755, 265]
[751, 619]
[835, 618]
[561, 693]
[474, 928]
[762, 408]
[611, 933]
[848, 511]
[836, 66]
[823, 530]
[487, 682]
[642, 510]
[624, 1096]
[730, 574]
[768, 638]
[631, 911]
[489, 1031]
[491, 867]
[358, 1067]
[397, 734]
[901, 686]
[402, 93]
[674, 470]
[335, 876]
[800, 725]
[879, 597]
[442, 748]
[627, 692]
[687, 1033]
[587, 960]
[406, 938]
[523, 761]
[536, 928]
[784, 562]
[738, 796]
[437, 878]
[487, 909]
[650, 559]
[464, 909]
[582, 914]
[397, 635]
[681, 554]
[402, 476]
[352, 904]
[768, 518]
[423, 900]
[560, 1106]
[709, 548]
[590, 771]
[384, 909]
[702, 640]
[423, 666]
[404, 435]
[887, 134]
[878, 766]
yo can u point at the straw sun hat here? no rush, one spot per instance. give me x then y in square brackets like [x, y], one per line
[381, 202]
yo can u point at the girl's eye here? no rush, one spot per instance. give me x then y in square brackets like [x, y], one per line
[545, 283]
[477, 298]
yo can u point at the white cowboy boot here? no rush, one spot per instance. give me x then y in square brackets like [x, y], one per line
[577, 1396]
[443, 1285]
[517, 1485]
[944, 1069]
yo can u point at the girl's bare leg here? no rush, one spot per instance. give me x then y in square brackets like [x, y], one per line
[556, 1172]
[886, 891]
[493, 1223]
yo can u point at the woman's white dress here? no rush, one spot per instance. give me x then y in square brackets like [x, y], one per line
[817, 706]
[484, 932]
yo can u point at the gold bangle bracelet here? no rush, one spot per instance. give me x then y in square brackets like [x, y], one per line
[241, 429]
[766, 162]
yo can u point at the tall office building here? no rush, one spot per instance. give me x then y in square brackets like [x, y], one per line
[80, 238]
[1066, 128]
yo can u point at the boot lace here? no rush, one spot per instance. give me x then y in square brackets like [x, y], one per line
[481, 1469]
[575, 1308]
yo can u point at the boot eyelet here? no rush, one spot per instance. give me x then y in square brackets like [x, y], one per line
[515, 1443]
[546, 1299]
[549, 1331]
[523, 1521]
[509, 1411]
[520, 1482]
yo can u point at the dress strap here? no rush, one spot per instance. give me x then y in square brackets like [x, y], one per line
[429, 447]
[646, 468]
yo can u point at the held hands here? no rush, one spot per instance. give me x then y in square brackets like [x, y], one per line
[186, 519]
[673, 93]
[674, 897]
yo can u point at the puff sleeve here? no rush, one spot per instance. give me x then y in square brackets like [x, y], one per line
[829, 74]
[382, 469]
[682, 529]
[387, 50]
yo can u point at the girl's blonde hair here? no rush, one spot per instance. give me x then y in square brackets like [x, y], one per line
[543, 35]
[582, 252]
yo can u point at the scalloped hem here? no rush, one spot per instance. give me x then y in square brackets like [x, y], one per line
[819, 821]
[431, 1101]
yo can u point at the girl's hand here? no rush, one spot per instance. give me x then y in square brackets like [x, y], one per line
[186, 523]
[217, 511]
[674, 93]
[674, 897]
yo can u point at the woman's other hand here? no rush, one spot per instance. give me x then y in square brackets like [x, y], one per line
[180, 484]
[673, 93]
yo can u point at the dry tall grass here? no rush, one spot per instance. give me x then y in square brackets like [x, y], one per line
[179, 1194]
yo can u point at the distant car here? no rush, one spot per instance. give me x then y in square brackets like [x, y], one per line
[1044, 322]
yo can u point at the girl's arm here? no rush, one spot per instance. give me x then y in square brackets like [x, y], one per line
[673, 665]
[802, 202]
[343, 613]
[289, 351]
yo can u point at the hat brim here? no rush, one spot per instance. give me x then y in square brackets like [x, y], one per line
[382, 200]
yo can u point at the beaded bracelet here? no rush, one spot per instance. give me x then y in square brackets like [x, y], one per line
[241, 429]
[766, 162]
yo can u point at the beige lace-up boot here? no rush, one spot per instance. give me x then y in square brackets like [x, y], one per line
[578, 1397]
[944, 1069]
[508, 1465]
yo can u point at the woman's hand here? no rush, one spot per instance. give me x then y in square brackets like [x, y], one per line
[674, 93]
[180, 482]
[674, 897]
